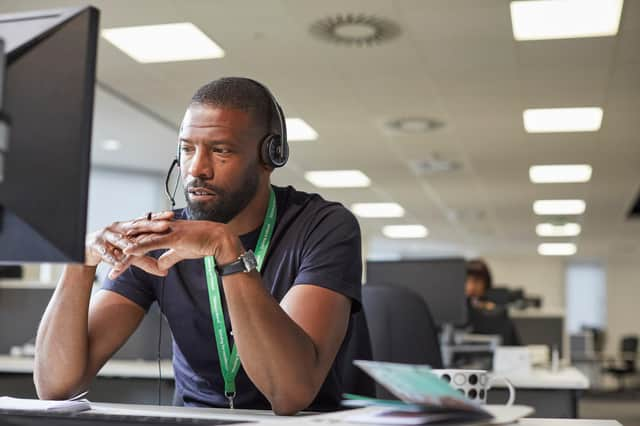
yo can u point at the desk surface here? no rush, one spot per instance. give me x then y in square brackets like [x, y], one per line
[113, 368]
[268, 418]
[540, 378]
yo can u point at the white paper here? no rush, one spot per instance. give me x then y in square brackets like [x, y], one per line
[66, 406]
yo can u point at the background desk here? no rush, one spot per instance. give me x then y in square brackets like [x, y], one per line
[118, 381]
[551, 394]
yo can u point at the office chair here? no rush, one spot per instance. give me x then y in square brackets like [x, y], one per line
[356, 346]
[401, 328]
[628, 355]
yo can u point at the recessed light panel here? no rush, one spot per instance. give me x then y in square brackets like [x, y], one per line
[164, 43]
[555, 120]
[555, 230]
[559, 207]
[338, 178]
[111, 145]
[377, 210]
[557, 249]
[556, 19]
[405, 231]
[299, 130]
[570, 173]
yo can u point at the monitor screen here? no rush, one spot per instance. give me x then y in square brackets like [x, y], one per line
[440, 282]
[49, 80]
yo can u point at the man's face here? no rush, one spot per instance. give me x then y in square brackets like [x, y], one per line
[218, 162]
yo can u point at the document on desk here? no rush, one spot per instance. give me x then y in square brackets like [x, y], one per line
[64, 406]
[424, 399]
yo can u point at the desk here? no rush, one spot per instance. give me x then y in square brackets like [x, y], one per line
[267, 418]
[117, 381]
[551, 394]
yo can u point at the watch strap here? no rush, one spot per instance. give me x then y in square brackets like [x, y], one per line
[246, 262]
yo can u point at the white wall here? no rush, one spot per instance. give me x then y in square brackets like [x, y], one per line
[537, 275]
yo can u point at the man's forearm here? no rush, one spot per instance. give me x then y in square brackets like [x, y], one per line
[276, 353]
[62, 342]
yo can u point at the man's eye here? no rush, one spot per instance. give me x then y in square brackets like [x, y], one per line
[185, 148]
[220, 150]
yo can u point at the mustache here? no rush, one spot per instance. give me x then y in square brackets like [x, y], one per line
[200, 183]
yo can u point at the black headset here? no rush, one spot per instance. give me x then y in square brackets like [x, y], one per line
[274, 149]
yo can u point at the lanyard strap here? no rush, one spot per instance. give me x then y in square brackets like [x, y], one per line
[229, 359]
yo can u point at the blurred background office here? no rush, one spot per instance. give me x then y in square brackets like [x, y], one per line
[453, 129]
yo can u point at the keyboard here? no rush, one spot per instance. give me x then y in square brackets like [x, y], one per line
[91, 418]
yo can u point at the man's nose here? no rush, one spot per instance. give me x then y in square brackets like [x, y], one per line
[201, 165]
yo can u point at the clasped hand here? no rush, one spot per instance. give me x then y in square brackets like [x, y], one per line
[128, 243]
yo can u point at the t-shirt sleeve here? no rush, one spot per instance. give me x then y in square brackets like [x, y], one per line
[134, 284]
[331, 255]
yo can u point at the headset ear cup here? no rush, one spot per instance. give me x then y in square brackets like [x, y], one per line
[274, 152]
[265, 147]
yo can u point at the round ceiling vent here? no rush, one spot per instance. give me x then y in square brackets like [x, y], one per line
[355, 29]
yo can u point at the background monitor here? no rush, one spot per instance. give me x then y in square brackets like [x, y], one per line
[49, 80]
[439, 281]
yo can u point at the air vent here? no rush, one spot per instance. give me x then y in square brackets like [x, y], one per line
[358, 30]
[414, 125]
[435, 165]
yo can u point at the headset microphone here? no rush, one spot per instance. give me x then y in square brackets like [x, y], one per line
[170, 195]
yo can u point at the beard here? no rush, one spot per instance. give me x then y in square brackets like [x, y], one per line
[226, 204]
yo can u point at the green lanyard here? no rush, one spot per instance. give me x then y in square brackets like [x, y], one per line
[229, 360]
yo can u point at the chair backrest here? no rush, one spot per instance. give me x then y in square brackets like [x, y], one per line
[357, 345]
[400, 325]
[629, 344]
[629, 351]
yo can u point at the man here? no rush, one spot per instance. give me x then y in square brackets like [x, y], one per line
[286, 322]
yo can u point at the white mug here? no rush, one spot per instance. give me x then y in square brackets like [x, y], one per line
[474, 384]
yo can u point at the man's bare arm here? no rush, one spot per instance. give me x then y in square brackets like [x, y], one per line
[74, 339]
[287, 349]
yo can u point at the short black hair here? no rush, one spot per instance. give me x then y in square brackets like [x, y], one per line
[478, 269]
[243, 94]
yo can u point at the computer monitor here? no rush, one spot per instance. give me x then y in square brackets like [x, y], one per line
[49, 80]
[440, 282]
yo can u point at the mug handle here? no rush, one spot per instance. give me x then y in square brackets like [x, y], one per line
[512, 389]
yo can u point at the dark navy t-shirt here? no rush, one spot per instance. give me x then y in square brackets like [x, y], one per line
[314, 242]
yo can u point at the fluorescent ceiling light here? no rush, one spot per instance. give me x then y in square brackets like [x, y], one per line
[372, 210]
[574, 173]
[551, 120]
[545, 20]
[111, 145]
[559, 207]
[557, 249]
[299, 130]
[555, 230]
[338, 178]
[405, 231]
[164, 43]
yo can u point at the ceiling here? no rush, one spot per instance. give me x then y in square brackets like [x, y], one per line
[455, 61]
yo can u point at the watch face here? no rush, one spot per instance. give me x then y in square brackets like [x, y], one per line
[249, 260]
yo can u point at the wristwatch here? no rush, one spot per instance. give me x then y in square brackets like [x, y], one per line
[246, 262]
